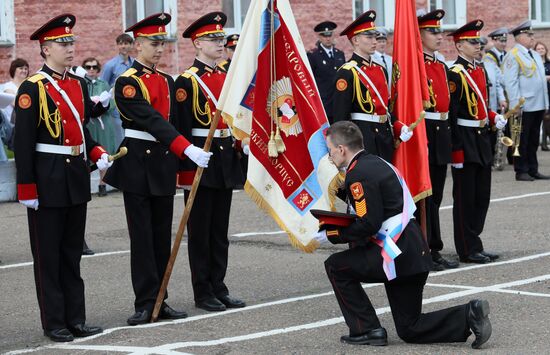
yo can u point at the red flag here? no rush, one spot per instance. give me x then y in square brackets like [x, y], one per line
[409, 90]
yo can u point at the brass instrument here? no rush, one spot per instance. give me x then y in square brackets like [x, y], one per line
[514, 119]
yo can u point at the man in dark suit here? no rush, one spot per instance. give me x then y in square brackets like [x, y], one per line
[197, 92]
[384, 224]
[325, 61]
[52, 146]
[147, 174]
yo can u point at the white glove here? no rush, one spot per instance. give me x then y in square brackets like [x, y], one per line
[30, 203]
[246, 149]
[198, 156]
[500, 121]
[406, 134]
[321, 237]
[103, 163]
[104, 98]
[457, 165]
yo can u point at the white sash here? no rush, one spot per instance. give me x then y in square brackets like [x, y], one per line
[372, 86]
[474, 86]
[71, 106]
[207, 90]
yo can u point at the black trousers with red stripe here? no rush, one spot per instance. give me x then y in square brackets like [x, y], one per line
[208, 243]
[346, 271]
[471, 197]
[57, 236]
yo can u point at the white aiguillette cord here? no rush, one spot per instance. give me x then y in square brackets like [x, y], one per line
[71, 106]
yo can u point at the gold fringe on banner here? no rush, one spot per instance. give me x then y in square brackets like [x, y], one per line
[263, 204]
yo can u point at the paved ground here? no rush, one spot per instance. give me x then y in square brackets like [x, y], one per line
[291, 307]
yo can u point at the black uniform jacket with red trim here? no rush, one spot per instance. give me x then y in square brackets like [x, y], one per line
[354, 94]
[56, 180]
[373, 190]
[470, 144]
[195, 111]
[145, 100]
[438, 131]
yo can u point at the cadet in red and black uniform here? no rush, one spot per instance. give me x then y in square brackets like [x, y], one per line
[472, 156]
[382, 203]
[197, 92]
[362, 93]
[52, 145]
[325, 60]
[230, 45]
[147, 174]
[438, 130]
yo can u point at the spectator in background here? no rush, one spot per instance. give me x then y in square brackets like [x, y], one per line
[101, 128]
[541, 49]
[112, 69]
[19, 71]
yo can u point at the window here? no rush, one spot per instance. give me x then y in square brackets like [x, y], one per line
[7, 25]
[385, 11]
[455, 12]
[137, 10]
[540, 13]
[236, 13]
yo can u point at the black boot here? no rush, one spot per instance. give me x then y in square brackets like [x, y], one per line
[86, 250]
[102, 190]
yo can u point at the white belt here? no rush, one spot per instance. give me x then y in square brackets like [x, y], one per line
[357, 116]
[437, 116]
[203, 132]
[472, 123]
[73, 150]
[133, 133]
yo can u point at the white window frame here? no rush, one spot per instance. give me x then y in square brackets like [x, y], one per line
[537, 21]
[170, 6]
[7, 31]
[460, 10]
[389, 13]
[237, 13]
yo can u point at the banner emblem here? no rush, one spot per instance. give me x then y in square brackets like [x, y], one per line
[285, 106]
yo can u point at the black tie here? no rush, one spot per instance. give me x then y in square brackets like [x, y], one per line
[501, 57]
[385, 64]
[531, 54]
[330, 54]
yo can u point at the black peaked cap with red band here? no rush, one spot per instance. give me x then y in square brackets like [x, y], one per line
[362, 24]
[58, 29]
[333, 219]
[209, 25]
[471, 30]
[431, 21]
[232, 41]
[152, 27]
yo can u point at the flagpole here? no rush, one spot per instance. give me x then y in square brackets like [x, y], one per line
[183, 221]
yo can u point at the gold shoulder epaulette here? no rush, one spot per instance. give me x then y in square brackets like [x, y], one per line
[187, 75]
[35, 78]
[457, 68]
[514, 50]
[129, 72]
[349, 65]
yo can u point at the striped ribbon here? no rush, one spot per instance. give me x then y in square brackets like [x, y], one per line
[391, 229]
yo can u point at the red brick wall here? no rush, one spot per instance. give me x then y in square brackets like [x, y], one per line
[98, 25]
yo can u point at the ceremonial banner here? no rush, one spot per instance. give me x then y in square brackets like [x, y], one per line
[409, 91]
[270, 97]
